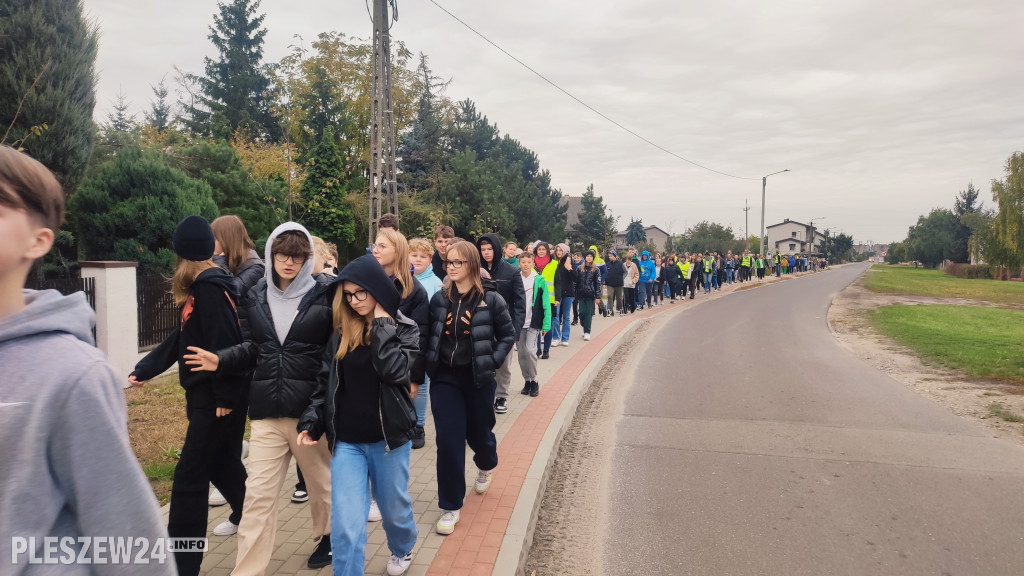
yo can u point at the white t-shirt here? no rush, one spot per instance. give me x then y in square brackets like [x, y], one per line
[528, 289]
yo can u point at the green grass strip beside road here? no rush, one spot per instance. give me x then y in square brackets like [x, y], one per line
[980, 341]
[934, 283]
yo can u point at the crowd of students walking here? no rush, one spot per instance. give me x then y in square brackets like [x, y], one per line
[337, 368]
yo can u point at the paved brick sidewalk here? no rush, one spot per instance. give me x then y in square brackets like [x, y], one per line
[484, 527]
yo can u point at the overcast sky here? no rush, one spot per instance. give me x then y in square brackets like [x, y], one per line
[882, 109]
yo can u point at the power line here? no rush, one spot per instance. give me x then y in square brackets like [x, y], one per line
[584, 104]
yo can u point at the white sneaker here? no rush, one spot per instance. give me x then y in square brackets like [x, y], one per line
[398, 565]
[483, 481]
[225, 528]
[217, 499]
[446, 525]
[586, 336]
[556, 343]
[374, 512]
[565, 343]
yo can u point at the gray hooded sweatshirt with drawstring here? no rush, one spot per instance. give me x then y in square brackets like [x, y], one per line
[284, 305]
[66, 467]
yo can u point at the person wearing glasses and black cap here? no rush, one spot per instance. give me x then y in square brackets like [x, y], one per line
[471, 334]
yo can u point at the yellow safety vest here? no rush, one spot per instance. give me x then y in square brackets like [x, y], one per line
[707, 266]
[746, 261]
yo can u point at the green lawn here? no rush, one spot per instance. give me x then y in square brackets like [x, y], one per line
[922, 282]
[980, 341]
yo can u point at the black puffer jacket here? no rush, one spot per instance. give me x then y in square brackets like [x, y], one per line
[492, 333]
[507, 278]
[393, 346]
[616, 272]
[249, 272]
[589, 283]
[285, 375]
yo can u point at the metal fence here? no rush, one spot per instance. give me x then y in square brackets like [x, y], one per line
[66, 286]
[158, 316]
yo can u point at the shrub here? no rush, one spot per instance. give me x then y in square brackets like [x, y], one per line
[970, 271]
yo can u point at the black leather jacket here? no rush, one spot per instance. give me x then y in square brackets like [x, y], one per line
[393, 345]
[285, 374]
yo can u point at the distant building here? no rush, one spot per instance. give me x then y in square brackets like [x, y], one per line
[792, 237]
[573, 206]
[655, 236]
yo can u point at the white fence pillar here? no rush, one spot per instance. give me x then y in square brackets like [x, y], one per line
[117, 315]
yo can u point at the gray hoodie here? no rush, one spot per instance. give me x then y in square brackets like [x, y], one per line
[66, 467]
[285, 305]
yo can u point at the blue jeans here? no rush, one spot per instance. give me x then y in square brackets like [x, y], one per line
[566, 320]
[354, 469]
[728, 275]
[714, 281]
[707, 282]
[641, 293]
[420, 401]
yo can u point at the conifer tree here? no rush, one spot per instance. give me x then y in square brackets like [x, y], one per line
[52, 118]
[159, 115]
[235, 92]
[596, 225]
[324, 189]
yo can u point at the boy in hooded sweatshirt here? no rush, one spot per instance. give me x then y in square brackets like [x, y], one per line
[68, 469]
[507, 279]
[537, 321]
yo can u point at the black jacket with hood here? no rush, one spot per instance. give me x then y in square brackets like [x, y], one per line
[616, 273]
[417, 308]
[566, 280]
[492, 333]
[589, 283]
[393, 347]
[209, 320]
[285, 373]
[507, 278]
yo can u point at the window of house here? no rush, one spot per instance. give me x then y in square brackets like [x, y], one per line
[792, 246]
[794, 234]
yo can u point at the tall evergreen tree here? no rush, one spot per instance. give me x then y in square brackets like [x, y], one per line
[235, 92]
[966, 204]
[119, 120]
[421, 150]
[50, 40]
[159, 115]
[596, 225]
[324, 189]
[635, 232]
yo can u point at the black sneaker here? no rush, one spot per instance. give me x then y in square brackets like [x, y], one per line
[534, 389]
[420, 438]
[526, 388]
[322, 556]
[545, 355]
[500, 406]
[300, 496]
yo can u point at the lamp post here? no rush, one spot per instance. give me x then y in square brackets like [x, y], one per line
[764, 185]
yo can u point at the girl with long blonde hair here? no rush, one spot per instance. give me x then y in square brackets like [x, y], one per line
[365, 408]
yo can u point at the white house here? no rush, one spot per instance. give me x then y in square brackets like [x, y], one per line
[791, 237]
[653, 234]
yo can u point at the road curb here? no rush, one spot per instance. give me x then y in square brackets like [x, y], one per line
[515, 546]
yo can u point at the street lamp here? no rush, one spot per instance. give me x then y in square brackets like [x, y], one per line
[812, 231]
[764, 184]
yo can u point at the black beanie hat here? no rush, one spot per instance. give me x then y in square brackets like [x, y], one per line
[193, 239]
[366, 272]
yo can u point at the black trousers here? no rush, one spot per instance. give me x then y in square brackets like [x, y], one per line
[463, 414]
[629, 299]
[212, 453]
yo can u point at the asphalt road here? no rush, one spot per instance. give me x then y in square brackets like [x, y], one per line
[751, 442]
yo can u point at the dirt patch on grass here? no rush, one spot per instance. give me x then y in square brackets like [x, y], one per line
[965, 396]
[156, 430]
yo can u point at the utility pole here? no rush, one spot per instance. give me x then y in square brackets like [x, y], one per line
[382, 129]
[746, 224]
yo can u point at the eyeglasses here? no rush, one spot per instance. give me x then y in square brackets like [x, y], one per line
[456, 264]
[283, 258]
[358, 295]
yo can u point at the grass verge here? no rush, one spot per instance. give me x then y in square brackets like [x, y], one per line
[979, 341]
[934, 283]
[156, 429]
